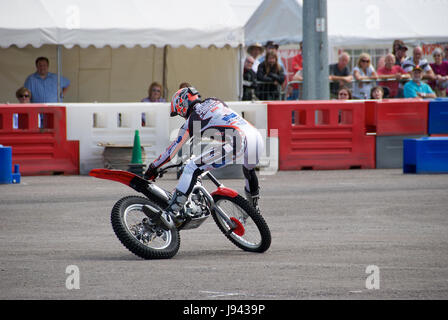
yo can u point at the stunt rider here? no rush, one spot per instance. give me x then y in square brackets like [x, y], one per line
[238, 142]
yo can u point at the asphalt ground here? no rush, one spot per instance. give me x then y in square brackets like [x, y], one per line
[343, 234]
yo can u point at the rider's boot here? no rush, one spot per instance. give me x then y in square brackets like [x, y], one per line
[171, 217]
[253, 198]
[176, 205]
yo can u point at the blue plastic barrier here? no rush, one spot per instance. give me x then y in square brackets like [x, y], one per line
[5, 165]
[425, 155]
[438, 116]
[6, 176]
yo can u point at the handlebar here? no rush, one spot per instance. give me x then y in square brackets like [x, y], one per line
[164, 170]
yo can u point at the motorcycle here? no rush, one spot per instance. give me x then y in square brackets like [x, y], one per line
[134, 218]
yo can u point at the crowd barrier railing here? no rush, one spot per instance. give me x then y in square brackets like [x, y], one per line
[37, 135]
[288, 94]
[96, 125]
[390, 117]
[321, 135]
[70, 138]
[425, 155]
[438, 117]
[392, 121]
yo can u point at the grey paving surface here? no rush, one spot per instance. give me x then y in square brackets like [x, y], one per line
[328, 227]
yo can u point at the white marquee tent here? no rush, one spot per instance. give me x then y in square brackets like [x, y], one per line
[119, 22]
[113, 49]
[354, 22]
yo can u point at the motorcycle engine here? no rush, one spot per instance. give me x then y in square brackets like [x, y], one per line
[195, 207]
[198, 209]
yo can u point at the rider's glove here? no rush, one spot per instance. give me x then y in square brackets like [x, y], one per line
[151, 173]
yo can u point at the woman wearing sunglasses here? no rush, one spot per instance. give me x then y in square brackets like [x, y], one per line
[155, 93]
[23, 95]
[363, 71]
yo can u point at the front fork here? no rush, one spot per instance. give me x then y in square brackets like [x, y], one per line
[220, 191]
[213, 206]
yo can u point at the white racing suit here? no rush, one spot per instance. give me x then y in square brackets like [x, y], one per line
[235, 141]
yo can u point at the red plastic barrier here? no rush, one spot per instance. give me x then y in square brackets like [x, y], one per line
[321, 135]
[396, 117]
[38, 137]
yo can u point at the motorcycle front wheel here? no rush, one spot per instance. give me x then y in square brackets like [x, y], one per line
[139, 234]
[252, 232]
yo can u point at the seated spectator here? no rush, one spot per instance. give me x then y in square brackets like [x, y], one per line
[377, 93]
[445, 53]
[417, 60]
[270, 46]
[416, 88]
[249, 80]
[339, 74]
[154, 93]
[391, 70]
[363, 71]
[184, 85]
[440, 68]
[23, 95]
[44, 85]
[344, 93]
[273, 75]
[399, 51]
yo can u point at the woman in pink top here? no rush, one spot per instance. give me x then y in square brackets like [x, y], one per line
[440, 68]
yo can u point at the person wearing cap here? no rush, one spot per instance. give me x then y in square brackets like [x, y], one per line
[416, 88]
[270, 46]
[255, 51]
[417, 60]
[399, 51]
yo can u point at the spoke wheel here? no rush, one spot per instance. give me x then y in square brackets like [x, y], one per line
[251, 232]
[139, 234]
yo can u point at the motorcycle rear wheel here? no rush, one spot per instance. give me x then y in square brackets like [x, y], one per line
[256, 235]
[139, 234]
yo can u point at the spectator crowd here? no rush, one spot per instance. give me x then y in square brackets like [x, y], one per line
[266, 78]
[397, 76]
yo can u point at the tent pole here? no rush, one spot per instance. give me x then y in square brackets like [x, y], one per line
[59, 58]
[240, 72]
[164, 79]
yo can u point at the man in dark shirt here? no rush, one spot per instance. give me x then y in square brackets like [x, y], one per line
[249, 79]
[339, 74]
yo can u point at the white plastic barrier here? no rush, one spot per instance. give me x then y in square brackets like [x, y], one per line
[96, 124]
[115, 123]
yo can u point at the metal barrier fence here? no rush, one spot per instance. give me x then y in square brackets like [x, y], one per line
[261, 90]
[291, 93]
